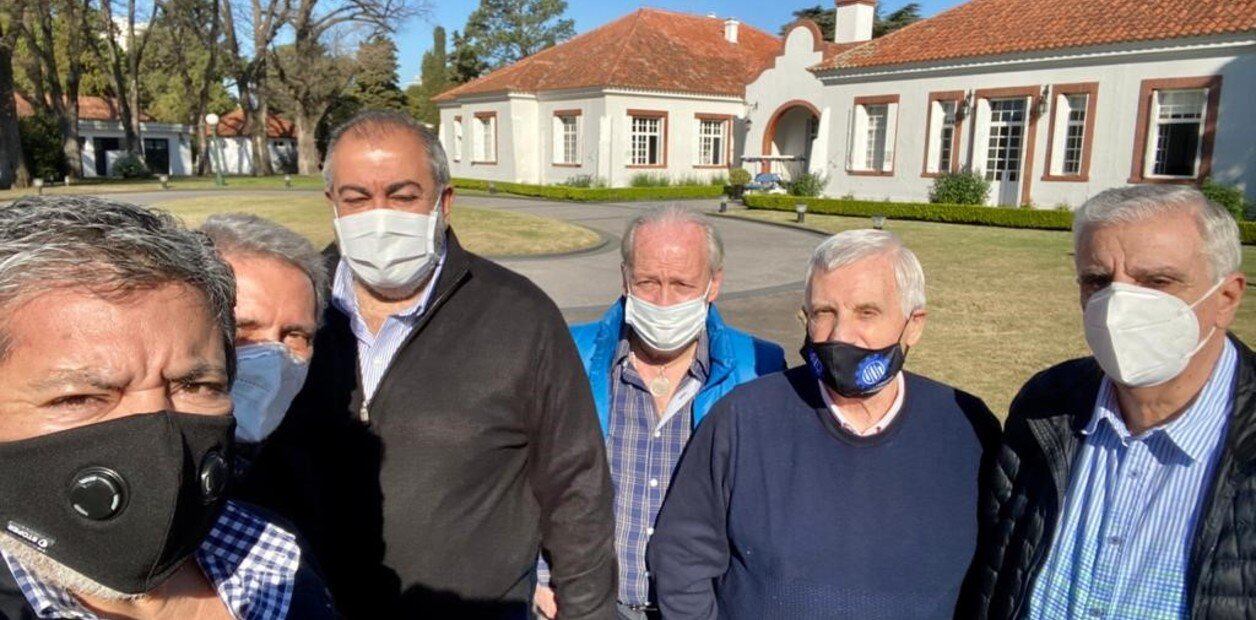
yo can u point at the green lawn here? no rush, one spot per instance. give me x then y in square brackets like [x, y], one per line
[484, 231]
[116, 186]
[1002, 302]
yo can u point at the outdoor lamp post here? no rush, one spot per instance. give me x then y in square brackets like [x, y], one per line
[878, 221]
[723, 205]
[215, 157]
[801, 210]
[287, 181]
[165, 181]
[39, 185]
[67, 180]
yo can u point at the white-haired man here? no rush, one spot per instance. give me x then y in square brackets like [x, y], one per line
[845, 487]
[657, 361]
[1126, 481]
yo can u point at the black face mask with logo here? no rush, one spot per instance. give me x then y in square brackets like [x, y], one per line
[851, 370]
[123, 502]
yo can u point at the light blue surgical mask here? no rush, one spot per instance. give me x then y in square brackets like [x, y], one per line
[268, 378]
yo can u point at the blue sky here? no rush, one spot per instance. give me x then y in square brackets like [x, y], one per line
[415, 37]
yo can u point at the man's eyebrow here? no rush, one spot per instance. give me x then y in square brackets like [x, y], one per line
[306, 328]
[75, 377]
[868, 306]
[400, 185]
[247, 323]
[200, 372]
[1165, 271]
[352, 188]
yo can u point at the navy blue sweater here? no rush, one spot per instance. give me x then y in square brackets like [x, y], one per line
[776, 512]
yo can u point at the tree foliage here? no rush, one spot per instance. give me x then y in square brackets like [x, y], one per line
[375, 77]
[500, 32]
[825, 16]
[433, 80]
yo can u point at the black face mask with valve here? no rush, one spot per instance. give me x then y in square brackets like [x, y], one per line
[123, 502]
[851, 370]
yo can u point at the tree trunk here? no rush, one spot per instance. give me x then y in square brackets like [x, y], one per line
[261, 153]
[13, 170]
[307, 148]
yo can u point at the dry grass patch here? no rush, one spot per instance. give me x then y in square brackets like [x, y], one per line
[484, 231]
[1002, 302]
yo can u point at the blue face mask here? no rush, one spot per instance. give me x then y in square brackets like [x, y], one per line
[851, 370]
[268, 377]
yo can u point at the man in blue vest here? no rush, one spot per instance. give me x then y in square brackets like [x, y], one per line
[657, 360]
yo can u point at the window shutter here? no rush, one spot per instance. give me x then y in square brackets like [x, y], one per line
[891, 131]
[981, 135]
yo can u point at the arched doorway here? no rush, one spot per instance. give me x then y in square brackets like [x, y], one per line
[789, 138]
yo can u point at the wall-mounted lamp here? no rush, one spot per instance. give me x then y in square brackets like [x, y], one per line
[1041, 108]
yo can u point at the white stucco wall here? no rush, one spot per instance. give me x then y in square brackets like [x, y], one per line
[1118, 72]
[237, 154]
[513, 142]
[178, 137]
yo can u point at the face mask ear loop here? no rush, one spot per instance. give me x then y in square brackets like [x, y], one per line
[1205, 339]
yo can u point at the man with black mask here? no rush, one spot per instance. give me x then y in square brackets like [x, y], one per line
[845, 487]
[116, 432]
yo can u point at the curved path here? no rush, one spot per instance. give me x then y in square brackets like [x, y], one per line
[759, 259]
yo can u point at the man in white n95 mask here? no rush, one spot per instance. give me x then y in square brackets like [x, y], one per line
[657, 361]
[1126, 483]
[281, 284]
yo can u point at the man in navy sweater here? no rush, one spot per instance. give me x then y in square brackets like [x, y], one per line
[842, 488]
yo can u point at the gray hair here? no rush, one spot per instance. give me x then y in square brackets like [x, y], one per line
[678, 215]
[245, 233]
[111, 248]
[851, 246]
[1124, 205]
[371, 123]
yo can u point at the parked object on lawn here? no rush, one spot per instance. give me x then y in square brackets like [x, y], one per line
[766, 182]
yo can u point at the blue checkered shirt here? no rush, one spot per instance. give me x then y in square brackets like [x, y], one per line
[376, 351]
[1124, 538]
[643, 450]
[251, 562]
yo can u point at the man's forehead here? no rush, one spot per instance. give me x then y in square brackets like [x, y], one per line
[1170, 240]
[862, 280]
[670, 237]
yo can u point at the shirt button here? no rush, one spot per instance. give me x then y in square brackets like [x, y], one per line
[649, 531]
[1135, 474]
[1115, 541]
[654, 482]
[658, 434]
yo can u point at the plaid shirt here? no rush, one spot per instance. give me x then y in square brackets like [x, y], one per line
[251, 562]
[643, 448]
[1124, 537]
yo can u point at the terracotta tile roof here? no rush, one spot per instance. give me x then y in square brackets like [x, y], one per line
[649, 49]
[992, 27]
[231, 125]
[90, 109]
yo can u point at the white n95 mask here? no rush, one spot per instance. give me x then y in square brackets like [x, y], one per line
[268, 377]
[1140, 336]
[389, 249]
[666, 328]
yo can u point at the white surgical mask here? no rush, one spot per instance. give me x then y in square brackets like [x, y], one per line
[268, 377]
[1140, 336]
[389, 249]
[666, 328]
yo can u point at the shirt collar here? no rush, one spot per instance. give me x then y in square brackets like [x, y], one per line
[700, 368]
[881, 425]
[1194, 432]
[345, 297]
[251, 562]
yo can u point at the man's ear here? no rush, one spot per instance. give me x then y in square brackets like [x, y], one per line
[915, 328]
[1229, 298]
[717, 282]
[446, 202]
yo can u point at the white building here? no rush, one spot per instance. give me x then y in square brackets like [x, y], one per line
[167, 146]
[235, 148]
[654, 92]
[1052, 101]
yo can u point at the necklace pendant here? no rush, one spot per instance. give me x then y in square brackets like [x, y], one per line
[660, 386]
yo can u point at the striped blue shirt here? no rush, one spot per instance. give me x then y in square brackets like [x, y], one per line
[643, 447]
[1123, 542]
[376, 351]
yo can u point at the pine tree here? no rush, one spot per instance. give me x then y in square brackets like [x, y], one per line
[375, 83]
[465, 63]
[499, 32]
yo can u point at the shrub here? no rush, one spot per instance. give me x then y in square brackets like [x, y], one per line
[720, 179]
[1247, 232]
[1227, 196]
[560, 192]
[130, 166]
[951, 214]
[690, 180]
[738, 176]
[807, 184]
[960, 188]
[579, 180]
[41, 142]
[645, 179]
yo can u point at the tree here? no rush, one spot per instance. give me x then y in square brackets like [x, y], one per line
[504, 31]
[125, 48]
[908, 14]
[826, 18]
[433, 81]
[262, 25]
[13, 170]
[465, 64]
[308, 88]
[53, 38]
[375, 79]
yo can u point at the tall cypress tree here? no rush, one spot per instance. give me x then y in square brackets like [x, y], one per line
[433, 81]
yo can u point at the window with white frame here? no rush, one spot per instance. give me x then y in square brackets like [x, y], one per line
[486, 138]
[647, 141]
[941, 135]
[712, 142]
[1176, 132]
[1006, 139]
[872, 136]
[567, 139]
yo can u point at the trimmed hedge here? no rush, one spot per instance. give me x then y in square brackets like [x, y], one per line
[594, 194]
[925, 212]
[1247, 232]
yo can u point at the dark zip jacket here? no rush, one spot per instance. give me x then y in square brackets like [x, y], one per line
[481, 440]
[1024, 493]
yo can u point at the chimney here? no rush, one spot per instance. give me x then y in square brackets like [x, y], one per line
[730, 30]
[854, 21]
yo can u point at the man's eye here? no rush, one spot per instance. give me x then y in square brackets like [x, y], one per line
[204, 388]
[74, 400]
[405, 198]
